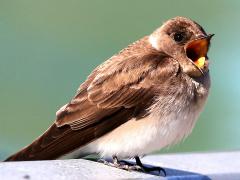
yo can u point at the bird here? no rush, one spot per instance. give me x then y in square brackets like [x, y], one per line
[146, 97]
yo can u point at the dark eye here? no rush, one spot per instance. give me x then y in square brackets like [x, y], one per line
[178, 37]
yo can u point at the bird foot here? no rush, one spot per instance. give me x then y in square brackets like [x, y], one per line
[151, 169]
[119, 165]
[125, 165]
[145, 169]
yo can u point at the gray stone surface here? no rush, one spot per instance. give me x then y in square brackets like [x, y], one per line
[220, 165]
[215, 165]
[63, 169]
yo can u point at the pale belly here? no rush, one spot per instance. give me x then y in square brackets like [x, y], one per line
[143, 136]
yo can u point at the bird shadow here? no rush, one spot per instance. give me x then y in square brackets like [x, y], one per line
[170, 172]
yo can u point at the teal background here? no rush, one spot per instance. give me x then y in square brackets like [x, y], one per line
[48, 47]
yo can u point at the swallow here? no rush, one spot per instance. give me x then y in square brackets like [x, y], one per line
[146, 97]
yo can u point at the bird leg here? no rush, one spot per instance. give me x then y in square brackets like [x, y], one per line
[149, 169]
[126, 166]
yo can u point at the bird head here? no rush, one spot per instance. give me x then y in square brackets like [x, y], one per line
[185, 41]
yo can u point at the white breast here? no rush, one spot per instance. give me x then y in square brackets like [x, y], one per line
[140, 137]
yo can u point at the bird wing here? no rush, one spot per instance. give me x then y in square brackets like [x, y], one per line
[115, 92]
[117, 84]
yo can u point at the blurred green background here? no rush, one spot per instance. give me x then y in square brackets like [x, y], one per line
[48, 47]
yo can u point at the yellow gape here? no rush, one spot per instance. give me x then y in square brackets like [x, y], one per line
[200, 62]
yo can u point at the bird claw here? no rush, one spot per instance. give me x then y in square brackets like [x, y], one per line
[125, 165]
[151, 169]
[145, 168]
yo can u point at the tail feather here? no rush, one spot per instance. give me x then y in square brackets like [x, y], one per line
[58, 141]
[45, 147]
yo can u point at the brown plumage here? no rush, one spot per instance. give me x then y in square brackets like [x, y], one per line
[126, 88]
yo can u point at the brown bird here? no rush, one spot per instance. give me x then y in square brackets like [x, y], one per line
[145, 98]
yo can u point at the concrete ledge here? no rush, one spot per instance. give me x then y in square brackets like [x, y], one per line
[220, 165]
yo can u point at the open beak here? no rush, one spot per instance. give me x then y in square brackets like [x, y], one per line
[197, 49]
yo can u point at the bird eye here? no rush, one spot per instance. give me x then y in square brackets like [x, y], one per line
[178, 37]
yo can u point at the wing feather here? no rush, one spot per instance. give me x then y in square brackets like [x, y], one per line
[121, 88]
[108, 92]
